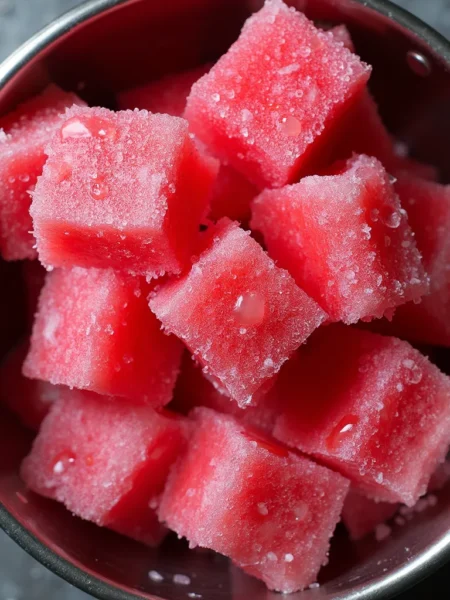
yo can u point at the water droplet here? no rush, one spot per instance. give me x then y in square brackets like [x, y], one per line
[216, 97]
[413, 373]
[390, 216]
[374, 214]
[63, 461]
[288, 557]
[341, 431]
[250, 309]
[291, 126]
[75, 128]
[262, 509]
[155, 576]
[272, 556]
[366, 229]
[179, 579]
[99, 190]
[418, 63]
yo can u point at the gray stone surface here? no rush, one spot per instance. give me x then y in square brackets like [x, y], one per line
[22, 578]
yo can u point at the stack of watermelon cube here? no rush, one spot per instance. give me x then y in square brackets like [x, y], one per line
[204, 271]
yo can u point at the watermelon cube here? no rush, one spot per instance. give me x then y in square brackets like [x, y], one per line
[273, 105]
[241, 494]
[106, 461]
[34, 278]
[367, 263]
[94, 331]
[239, 314]
[29, 399]
[231, 193]
[361, 515]
[428, 207]
[166, 95]
[380, 403]
[24, 134]
[194, 389]
[125, 190]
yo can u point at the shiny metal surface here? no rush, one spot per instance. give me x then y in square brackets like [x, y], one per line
[107, 45]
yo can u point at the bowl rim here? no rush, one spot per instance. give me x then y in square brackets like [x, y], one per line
[385, 587]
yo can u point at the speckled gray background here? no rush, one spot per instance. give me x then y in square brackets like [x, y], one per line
[22, 578]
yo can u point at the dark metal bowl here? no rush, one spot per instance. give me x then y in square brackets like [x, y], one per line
[108, 45]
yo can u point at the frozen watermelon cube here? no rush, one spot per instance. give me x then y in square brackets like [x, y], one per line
[380, 404]
[106, 461]
[125, 190]
[94, 331]
[345, 239]
[428, 208]
[231, 193]
[361, 515]
[24, 134]
[239, 314]
[273, 105]
[29, 399]
[166, 95]
[241, 494]
[194, 389]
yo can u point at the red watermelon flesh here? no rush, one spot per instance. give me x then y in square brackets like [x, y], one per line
[361, 515]
[125, 190]
[231, 193]
[34, 278]
[286, 507]
[238, 313]
[428, 208]
[29, 399]
[367, 263]
[273, 105]
[380, 404]
[94, 331]
[166, 95]
[194, 389]
[106, 461]
[24, 133]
